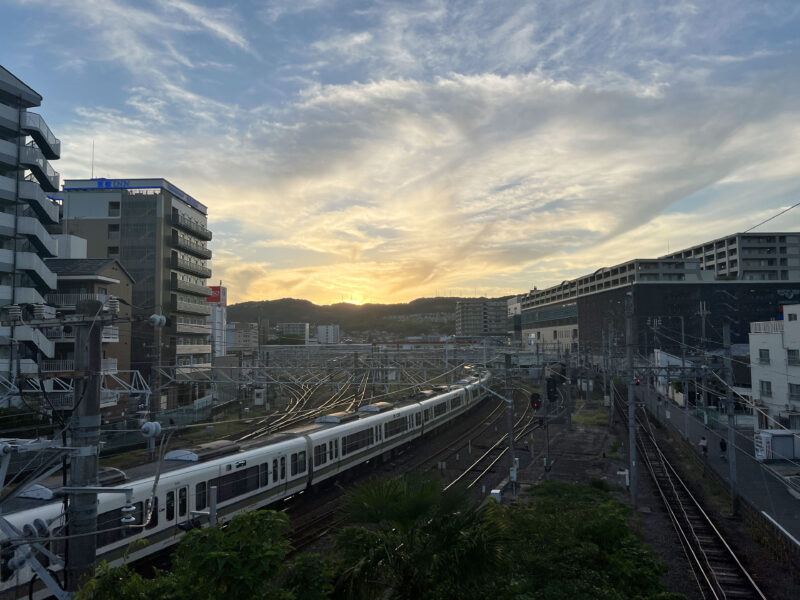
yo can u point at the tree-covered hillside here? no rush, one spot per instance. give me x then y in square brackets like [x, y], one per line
[424, 315]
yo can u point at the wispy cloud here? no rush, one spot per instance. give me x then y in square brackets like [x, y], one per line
[387, 150]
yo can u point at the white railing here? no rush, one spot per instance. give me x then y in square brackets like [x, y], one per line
[766, 327]
[73, 299]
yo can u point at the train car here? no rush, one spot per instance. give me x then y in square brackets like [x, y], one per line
[167, 504]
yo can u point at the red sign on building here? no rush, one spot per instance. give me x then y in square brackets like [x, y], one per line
[219, 295]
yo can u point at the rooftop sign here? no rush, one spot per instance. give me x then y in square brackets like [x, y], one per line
[126, 184]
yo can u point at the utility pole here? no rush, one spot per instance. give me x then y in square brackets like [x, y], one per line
[703, 314]
[631, 399]
[685, 383]
[510, 412]
[726, 340]
[605, 365]
[85, 438]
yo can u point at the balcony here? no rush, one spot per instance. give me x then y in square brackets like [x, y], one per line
[69, 301]
[66, 400]
[192, 227]
[766, 327]
[191, 307]
[192, 328]
[191, 288]
[19, 295]
[31, 157]
[194, 248]
[29, 191]
[108, 365]
[34, 125]
[193, 349]
[25, 333]
[190, 267]
[110, 334]
[38, 236]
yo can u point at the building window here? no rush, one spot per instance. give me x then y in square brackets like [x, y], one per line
[763, 356]
[113, 252]
[793, 316]
[765, 387]
[794, 392]
[113, 209]
[113, 232]
[793, 356]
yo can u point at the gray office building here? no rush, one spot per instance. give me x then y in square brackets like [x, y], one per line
[159, 233]
[26, 177]
[768, 256]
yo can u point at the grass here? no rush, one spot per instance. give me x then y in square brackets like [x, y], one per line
[590, 416]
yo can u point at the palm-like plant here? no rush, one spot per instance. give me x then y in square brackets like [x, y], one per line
[408, 539]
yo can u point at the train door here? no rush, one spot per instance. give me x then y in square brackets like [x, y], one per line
[177, 506]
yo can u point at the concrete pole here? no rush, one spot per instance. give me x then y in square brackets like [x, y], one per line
[85, 438]
[510, 411]
[685, 383]
[631, 399]
[726, 340]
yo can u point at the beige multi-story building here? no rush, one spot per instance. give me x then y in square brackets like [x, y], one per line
[481, 317]
[99, 279]
[294, 332]
[159, 233]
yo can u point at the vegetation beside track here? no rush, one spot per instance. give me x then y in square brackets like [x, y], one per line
[407, 539]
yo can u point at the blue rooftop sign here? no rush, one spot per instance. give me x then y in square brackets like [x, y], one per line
[126, 184]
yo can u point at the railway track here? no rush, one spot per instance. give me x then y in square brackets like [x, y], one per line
[716, 569]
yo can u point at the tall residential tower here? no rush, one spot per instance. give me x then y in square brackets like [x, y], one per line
[26, 177]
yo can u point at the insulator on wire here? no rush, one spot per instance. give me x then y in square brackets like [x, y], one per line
[14, 312]
[113, 305]
[39, 311]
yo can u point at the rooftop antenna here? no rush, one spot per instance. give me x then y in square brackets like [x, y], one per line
[92, 158]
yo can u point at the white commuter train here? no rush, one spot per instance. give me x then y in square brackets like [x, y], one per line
[246, 479]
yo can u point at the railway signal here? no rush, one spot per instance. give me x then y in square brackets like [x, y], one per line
[536, 401]
[552, 393]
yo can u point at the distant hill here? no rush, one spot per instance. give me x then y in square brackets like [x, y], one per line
[420, 316]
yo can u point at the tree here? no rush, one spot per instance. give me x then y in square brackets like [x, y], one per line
[243, 560]
[408, 539]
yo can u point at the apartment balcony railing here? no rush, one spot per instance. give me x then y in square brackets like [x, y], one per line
[192, 288]
[108, 365]
[192, 227]
[35, 126]
[194, 248]
[69, 301]
[766, 327]
[110, 334]
[45, 209]
[191, 307]
[31, 156]
[193, 328]
[190, 267]
[193, 349]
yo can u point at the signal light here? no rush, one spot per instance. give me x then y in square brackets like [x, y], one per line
[536, 401]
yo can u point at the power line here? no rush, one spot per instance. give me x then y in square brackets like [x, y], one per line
[772, 217]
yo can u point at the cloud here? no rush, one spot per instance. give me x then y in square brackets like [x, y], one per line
[391, 149]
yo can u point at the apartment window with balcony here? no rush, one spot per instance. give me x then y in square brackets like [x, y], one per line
[763, 356]
[794, 392]
[113, 209]
[765, 387]
[113, 231]
[793, 354]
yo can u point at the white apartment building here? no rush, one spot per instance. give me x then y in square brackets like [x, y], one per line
[775, 370]
[328, 334]
[514, 306]
[242, 337]
[26, 177]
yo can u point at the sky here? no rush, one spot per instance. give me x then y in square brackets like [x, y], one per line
[382, 151]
